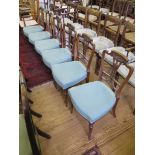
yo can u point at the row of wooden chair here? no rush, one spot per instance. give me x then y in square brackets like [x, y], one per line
[68, 72]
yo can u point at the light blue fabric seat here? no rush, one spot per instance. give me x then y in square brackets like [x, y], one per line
[69, 74]
[56, 56]
[42, 45]
[38, 36]
[92, 100]
[31, 29]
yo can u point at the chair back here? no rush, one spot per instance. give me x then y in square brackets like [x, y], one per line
[96, 23]
[129, 10]
[128, 35]
[31, 129]
[83, 10]
[70, 37]
[109, 33]
[56, 27]
[110, 74]
[85, 53]
[95, 2]
[41, 17]
[71, 10]
[118, 7]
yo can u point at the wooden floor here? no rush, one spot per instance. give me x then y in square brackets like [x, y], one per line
[114, 136]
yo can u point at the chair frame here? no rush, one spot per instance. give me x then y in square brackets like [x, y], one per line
[96, 23]
[128, 28]
[118, 59]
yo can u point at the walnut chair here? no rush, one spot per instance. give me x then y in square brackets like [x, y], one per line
[128, 35]
[28, 29]
[60, 55]
[37, 36]
[69, 74]
[51, 43]
[92, 18]
[95, 99]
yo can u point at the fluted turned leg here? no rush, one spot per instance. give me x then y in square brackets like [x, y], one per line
[98, 64]
[66, 98]
[71, 108]
[90, 131]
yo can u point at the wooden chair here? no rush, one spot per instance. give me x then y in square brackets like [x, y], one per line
[95, 99]
[93, 18]
[108, 32]
[56, 40]
[81, 14]
[75, 71]
[113, 8]
[128, 35]
[29, 13]
[128, 13]
[108, 40]
[32, 26]
[59, 55]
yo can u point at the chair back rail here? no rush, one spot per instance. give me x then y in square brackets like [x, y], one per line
[96, 23]
[111, 76]
[109, 32]
[81, 9]
[88, 49]
[69, 38]
[129, 29]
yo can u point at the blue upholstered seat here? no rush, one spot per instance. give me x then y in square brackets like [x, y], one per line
[38, 36]
[42, 45]
[56, 56]
[92, 100]
[69, 74]
[31, 29]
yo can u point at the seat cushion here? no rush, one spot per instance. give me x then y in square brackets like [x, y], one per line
[56, 56]
[93, 6]
[88, 31]
[109, 59]
[123, 71]
[38, 36]
[85, 2]
[92, 100]
[102, 43]
[30, 22]
[47, 44]
[69, 74]
[31, 29]
[81, 15]
[104, 10]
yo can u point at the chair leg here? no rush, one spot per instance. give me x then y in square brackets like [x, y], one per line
[35, 114]
[71, 108]
[43, 134]
[66, 98]
[114, 108]
[97, 65]
[55, 84]
[90, 131]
